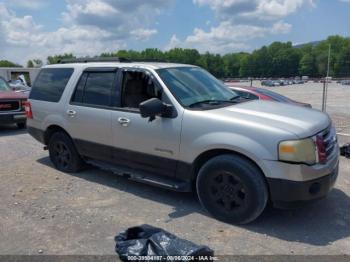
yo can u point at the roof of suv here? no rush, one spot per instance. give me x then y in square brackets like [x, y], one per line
[146, 65]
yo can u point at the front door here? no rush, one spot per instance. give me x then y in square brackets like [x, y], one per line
[151, 146]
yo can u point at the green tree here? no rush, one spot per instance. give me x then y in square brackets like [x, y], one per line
[152, 54]
[56, 58]
[38, 63]
[342, 63]
[30, 64]
[338, 59]
[6, 63]
[285, 63]
[263, 62]
[184, 56]
[232, 63]
[247, 67]
[307, 65]
[321, 61]
[212, 63]
[276, 60]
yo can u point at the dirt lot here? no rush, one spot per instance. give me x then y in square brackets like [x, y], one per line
[43, 210]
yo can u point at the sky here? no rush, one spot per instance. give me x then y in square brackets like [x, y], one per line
[35, 29]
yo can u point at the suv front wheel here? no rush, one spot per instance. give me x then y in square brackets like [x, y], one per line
[63, 153]
[232, 189]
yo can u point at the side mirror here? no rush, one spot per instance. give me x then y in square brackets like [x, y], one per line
[154, 107]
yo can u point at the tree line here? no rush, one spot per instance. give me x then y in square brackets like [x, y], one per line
[275, 60]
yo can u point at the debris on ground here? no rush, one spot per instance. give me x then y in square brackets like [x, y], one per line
[345, 150]
[146, 240]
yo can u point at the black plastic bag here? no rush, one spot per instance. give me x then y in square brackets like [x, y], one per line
[146, 240]
[345, 150]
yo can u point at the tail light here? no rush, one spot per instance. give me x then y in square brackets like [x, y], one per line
[23, 103]
[28, 109]
[321, 150]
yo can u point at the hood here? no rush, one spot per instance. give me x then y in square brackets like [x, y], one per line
[12, 95]
[301, 121]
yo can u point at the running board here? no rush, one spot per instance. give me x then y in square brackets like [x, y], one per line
[143, 177]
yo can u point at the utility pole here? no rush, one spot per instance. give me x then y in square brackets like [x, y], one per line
[325, 84]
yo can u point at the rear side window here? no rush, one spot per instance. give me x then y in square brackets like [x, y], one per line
[50, 84]
[95, 88]
[78, 94]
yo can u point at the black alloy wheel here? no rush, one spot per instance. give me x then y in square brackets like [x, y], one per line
[228, 192]
[232, 189]
[62, 155]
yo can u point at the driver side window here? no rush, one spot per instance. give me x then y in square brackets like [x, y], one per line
[138, 87]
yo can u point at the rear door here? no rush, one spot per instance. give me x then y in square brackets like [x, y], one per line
[90, 110]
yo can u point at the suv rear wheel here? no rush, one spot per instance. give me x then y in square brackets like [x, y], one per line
[63, 153]
[232, 189]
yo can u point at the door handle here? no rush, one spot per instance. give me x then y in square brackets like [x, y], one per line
[71, 113]
[123, 121]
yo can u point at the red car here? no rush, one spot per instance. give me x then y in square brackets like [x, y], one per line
[12, 105]
[253, 93]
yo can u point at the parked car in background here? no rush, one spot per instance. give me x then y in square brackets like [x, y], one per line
[283, 82]
[254, 93]
[328, 80]
[279, 82]
[345, 82]
[268, 83]
[12, 105]
[305, 78]
[298, 82]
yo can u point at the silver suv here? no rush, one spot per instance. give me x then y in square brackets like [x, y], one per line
[178, 127]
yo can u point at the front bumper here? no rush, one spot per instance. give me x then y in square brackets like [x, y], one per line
[13, 118]
[290, 194]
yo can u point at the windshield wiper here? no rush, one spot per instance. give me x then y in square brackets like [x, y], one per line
[235, 98]
[201, 102]
[212, 102]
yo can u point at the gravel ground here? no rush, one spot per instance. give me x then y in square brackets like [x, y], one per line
[45, 211]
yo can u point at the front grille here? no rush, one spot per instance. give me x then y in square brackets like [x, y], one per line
[6, 106]
[330, 140]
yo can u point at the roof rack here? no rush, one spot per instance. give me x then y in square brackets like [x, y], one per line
[154, 60]
[93, 59]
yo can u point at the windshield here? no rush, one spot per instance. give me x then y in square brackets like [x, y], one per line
[193, 86]
[3, 85]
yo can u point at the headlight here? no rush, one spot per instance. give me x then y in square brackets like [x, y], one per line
[298, 151]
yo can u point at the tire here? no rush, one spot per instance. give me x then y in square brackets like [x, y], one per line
[63, 153]
[21, 125]
[232, 189]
